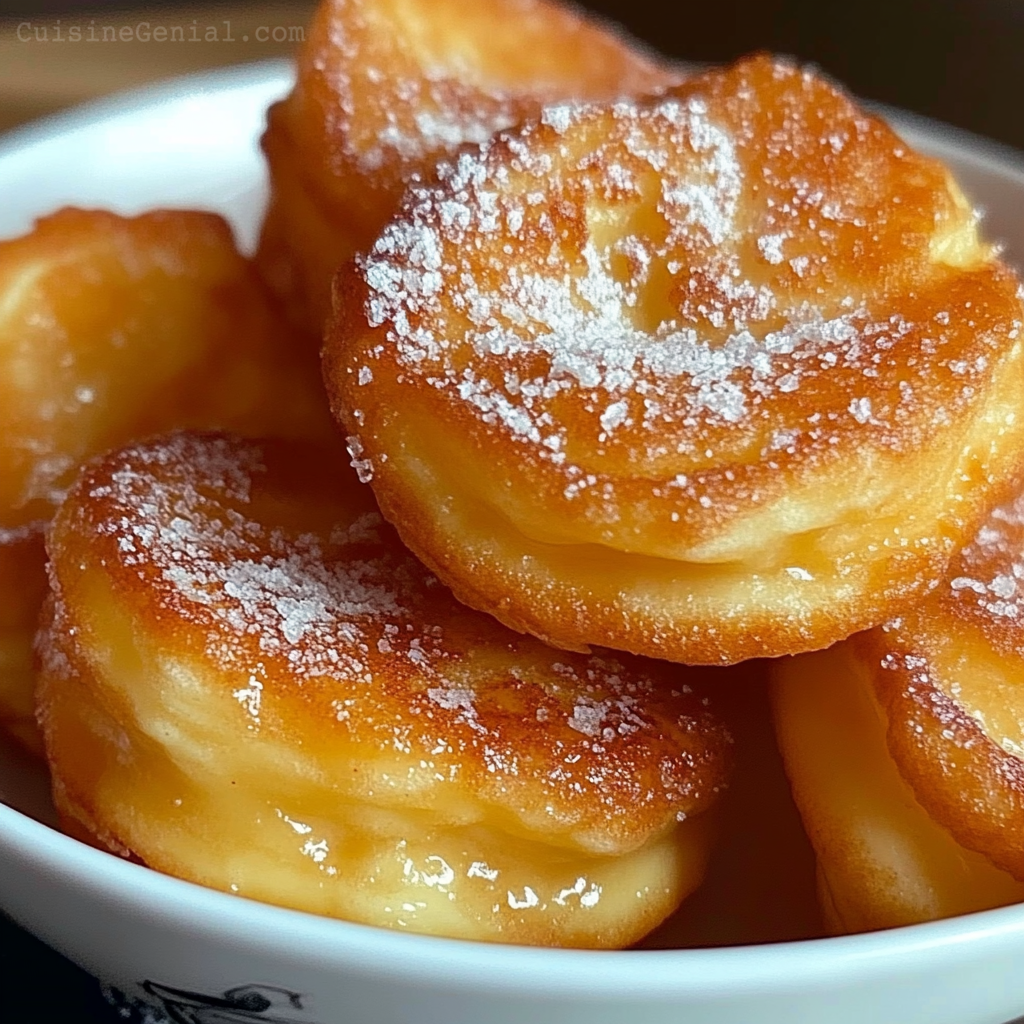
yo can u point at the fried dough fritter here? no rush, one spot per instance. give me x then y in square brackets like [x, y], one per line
[882, 860]
[248, 682]
[719, 374]
[385, 88]
[948, 674]
[944, 681]
[113, 328]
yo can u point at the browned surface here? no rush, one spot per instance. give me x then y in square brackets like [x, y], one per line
[882, 860]
[113, 328]
[904, 746]
[950, 675]
[562, 443]
[386, 87]
[248, 602]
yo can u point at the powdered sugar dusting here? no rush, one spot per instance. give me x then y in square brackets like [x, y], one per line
[677, 283]
[989, 573]
[389, 111]
[297, 595]
[399, 94]
[596, 261]
[584, 321]
[350, 619]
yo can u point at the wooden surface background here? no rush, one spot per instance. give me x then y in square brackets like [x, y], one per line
[44, 67]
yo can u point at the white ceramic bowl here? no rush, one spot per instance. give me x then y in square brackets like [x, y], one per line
[194, 143]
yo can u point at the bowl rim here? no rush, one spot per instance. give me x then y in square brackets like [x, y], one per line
[279, 72]
[222, 916]
[258, 75]
[755, 970]
[219, 917]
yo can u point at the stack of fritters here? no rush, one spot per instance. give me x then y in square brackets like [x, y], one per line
[698, 369]
[113, 328]
[387, 88]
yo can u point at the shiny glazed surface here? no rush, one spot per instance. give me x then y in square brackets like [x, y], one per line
[248, 682]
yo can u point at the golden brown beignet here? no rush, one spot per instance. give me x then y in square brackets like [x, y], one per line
[944, 683]
[882, 859]
[717, 374]
[113, 328]
[248, 682]
[949, 676]
[387, 87]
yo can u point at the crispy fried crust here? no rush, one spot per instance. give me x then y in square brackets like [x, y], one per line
[113, 328]
[247, 681]
[882, 860]
[385, 88]
[905, 746]
[718, 374]
[948, 674]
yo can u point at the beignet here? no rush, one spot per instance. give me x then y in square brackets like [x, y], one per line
[882, 860]
[718, 374]
[113, 328]
[942, 697]
[385, 88]
[248, 682]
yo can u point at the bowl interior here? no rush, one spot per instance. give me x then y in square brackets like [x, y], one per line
[194, 143]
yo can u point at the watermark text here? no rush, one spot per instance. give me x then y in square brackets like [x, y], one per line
[151, 32]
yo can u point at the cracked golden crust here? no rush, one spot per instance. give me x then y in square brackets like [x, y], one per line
[720, 373]
[295, 648]
[385, 88]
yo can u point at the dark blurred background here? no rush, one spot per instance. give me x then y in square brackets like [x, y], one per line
[956, 60]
